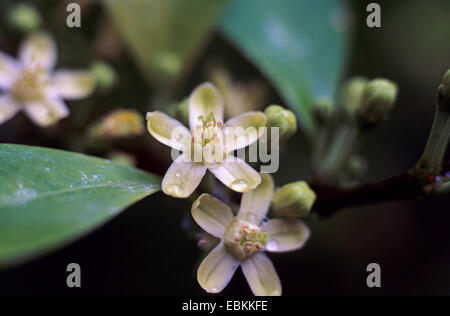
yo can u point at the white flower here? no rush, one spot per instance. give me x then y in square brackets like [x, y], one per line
[243, 239]
[211, 139]
[29, 84]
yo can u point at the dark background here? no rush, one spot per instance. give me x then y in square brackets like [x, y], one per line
[145, 250]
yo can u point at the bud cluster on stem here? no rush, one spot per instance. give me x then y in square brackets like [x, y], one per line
[363, 104]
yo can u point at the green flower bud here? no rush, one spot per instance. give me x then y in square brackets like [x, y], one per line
[104, 73]
[25, 17]
[119, 123]
[282, 118]
[168, 63]
[182, 112]
[377, 101]
[322, 109]
[293, 200]
[351, 94]
[446, 84]
[122, 158]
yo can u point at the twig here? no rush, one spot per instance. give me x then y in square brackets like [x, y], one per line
[330, 200]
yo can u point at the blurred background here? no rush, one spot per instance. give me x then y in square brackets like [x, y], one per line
[149, 249]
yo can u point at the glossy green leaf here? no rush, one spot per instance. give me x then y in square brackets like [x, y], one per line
[298, 44]
[165, 34]
[49, 197]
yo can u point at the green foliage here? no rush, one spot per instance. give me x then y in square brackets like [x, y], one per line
[165, 34]
[50, 197]
[299, 45]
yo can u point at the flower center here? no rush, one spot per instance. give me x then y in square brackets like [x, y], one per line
[207, 140]
[243, 239]
[30, 86]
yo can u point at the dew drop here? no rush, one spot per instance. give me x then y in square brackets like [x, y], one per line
[239, 185]
[175, 189]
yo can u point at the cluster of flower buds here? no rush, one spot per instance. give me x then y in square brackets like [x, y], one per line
[370, 101]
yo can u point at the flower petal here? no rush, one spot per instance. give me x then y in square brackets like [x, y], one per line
[236, 174]
[47, 112]
[38, 50]
[211, 214]
[216, 270]
[182, 178]
[261, 275]
[243, 130]
[168, 130]
[255, 203]
[8, 108]
[285, 235]
[73, 84]
[204, 100]
[9, 70]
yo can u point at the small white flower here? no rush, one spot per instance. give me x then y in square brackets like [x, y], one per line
[243, 240]
[30, 84]
[213, 141]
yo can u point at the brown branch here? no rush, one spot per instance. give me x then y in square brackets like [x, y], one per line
[331, 199]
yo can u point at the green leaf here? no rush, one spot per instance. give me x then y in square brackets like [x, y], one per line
[49, 197]
[165, 34]
[298, 44]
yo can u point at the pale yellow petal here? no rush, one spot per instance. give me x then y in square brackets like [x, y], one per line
[168, 130]
[73, 84]
[236, 174]
[256, 203]
[8, 108]
[212, 214]
[243, 130]
[47, 112]
[261, 275]
[205, 99]
[216, 270]
[285, 235]
[38, 50]
[182, 178]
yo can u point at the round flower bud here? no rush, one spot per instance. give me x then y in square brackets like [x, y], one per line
[104, 73]
[25, 17]
[293, 200]
[119, 123]
[351, 94]
[377, 101]
[122, 158]
[282, 118]
[446, 84]
[322, 109]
